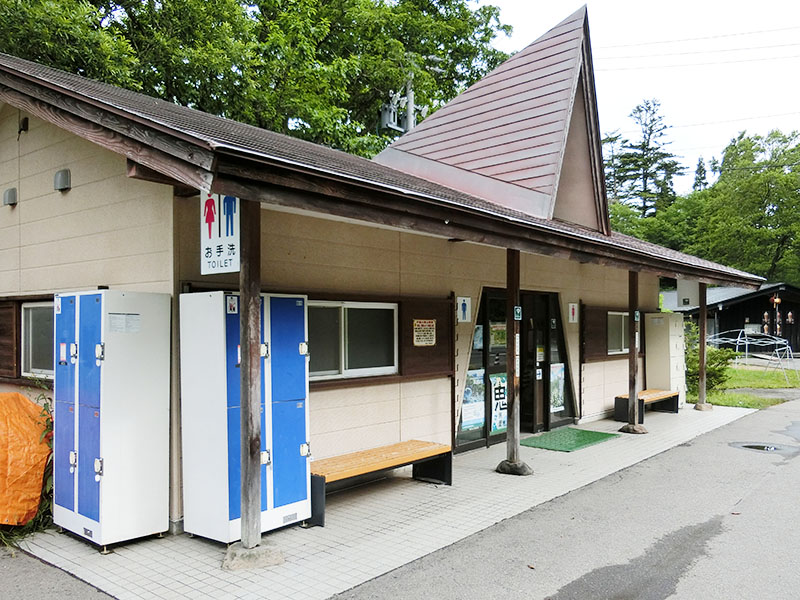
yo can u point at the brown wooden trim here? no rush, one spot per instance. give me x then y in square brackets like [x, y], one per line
[424, 215]
[31, 298]
[109, 139]
[354, 382]
[123, 122]
[137, 171]
[28, 382]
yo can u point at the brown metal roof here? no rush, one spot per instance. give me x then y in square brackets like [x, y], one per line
[510, 126]
[136, 121]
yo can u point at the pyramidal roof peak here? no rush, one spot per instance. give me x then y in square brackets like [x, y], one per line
[526, 136]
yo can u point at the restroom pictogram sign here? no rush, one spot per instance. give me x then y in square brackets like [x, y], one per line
[219, 233]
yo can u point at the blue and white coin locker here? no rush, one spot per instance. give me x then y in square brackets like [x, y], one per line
[211, 414]
[111, 419]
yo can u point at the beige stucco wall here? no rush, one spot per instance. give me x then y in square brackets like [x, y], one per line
[107, 230]
[307, 254]
[112, 230]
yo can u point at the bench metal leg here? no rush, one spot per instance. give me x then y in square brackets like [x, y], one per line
[667, 405]
[317, 502]
[439, 468]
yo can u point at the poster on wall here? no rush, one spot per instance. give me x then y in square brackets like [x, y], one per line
[557, 373]
[499, 383]
[473, 410]
[497, 333]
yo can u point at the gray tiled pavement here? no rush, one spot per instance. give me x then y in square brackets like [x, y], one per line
[372, 529]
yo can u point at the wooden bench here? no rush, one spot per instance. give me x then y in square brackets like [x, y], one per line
[660, 400]
[431, 462]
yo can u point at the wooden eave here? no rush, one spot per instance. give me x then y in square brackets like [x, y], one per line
[168, 156]
[274, 182]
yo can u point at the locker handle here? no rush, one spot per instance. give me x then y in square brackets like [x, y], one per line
[305, 449]
[100, 351]
[266, 458]
[73, 460]
[98, 468]
[73, 353]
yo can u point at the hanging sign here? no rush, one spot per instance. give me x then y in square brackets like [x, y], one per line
[219, 234]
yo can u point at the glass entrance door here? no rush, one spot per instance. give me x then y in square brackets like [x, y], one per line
[545, 389]
[545, 392]
[483, 412]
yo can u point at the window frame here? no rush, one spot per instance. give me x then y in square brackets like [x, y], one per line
[343, 372]
[624, 342]
[24, 342]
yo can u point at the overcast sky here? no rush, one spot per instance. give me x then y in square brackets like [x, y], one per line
[717, 67]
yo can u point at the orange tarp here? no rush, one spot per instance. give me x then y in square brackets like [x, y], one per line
[23, 456]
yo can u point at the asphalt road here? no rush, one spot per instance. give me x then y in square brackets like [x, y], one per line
[708, 519]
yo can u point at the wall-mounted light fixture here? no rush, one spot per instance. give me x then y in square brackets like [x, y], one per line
[10, 197]
[62, 182]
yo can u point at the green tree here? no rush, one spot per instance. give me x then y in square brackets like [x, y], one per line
[67, 35]
[753, 210]
[318, 70]
[612, 149]
[700, 178]
[645, 168]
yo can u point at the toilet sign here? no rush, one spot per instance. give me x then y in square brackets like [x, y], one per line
[219, 233]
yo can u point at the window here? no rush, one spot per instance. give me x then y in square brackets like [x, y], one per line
[352, 339]
[617, 332]
[37, 339]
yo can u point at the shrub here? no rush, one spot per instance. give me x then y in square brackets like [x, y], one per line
[717, 361]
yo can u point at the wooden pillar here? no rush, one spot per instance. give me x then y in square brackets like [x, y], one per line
[512, 465]
[250, 336]
[702, 317]
[633, 425]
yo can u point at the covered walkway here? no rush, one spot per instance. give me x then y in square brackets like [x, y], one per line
[373, 529]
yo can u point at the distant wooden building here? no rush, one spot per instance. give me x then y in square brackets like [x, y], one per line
[773, 309]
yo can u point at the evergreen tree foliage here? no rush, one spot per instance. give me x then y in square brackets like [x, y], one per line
[644, 170]
[700, 179]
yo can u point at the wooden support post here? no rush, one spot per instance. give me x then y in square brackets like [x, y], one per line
[250, 331]
[512, 465]
[633, 425]
[702, 316]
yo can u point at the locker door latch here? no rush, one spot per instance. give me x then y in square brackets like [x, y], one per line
[73, 353]
[73, 460]
[264, 350]
[305, 449]
[100, 351]
[303, 348]
[98, 468]
[266, 458]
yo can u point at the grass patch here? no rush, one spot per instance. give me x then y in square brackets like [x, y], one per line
[760, 379]
[740, 400]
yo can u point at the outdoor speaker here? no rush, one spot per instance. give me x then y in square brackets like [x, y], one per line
[62, 182]
[10, 197]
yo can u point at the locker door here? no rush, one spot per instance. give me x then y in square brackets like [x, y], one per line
[89, 332]
[288, 381]
[64, 390]
[233, 371]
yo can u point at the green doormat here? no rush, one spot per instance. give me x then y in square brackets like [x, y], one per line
[567, 439]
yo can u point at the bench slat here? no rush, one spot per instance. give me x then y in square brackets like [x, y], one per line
[375, 459]
[649, 396]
